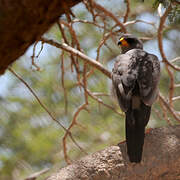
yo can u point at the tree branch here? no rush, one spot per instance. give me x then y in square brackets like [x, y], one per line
[75, 52]
[23, 22]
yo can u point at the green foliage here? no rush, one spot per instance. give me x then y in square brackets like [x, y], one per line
[174, 14]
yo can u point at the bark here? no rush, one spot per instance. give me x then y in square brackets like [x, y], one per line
[22, 22]
[161, 160]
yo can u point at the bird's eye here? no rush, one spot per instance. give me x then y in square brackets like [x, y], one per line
[122, 42]
[130, 40]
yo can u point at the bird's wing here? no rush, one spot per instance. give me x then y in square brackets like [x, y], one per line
[136, 66]
[148, 78]
[124, 76]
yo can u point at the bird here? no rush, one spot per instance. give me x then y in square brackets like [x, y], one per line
[135, 79]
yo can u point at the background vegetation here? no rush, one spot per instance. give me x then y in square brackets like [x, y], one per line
[29, 139]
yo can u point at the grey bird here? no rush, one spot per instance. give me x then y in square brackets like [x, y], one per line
[135, 78]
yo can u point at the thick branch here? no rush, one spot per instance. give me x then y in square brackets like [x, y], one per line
[161, 160]
[79, 54]
[23, 22]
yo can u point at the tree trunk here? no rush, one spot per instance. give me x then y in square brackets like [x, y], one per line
[161, 160]
[22, 22]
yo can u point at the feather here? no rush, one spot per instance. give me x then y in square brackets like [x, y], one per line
[135, 78]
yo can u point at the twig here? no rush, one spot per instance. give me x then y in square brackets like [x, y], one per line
[175, 59]
[73, 33]
[176, 98]
[139, 21]
[87, 22]
[85, 83]
[89, 7]
[171, 88]
[158, 114]
[83, 106]
[101, 102]
[169, 108]
[40, 50]
[164, 112]
[37, 174]
[75, 52]
[160, 31]
[33, 56]
[61, 28]
[44, 107]
[100, 94]
[108, 13]
[74, 42]
[167, 63]
[62, 82]
[127, 11]
[176, 85]
[176, 2]
[103, 41]
[37, 98]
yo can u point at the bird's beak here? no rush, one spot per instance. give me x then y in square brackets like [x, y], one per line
[119, 43]
[123, 42]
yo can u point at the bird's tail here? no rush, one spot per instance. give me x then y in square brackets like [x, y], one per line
[136, 121]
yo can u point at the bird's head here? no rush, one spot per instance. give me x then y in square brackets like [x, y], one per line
[128, 42]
